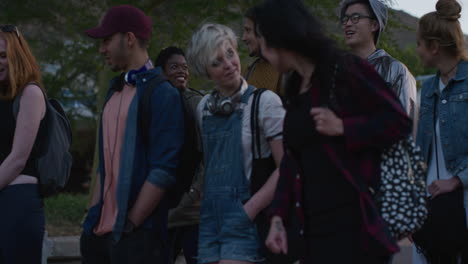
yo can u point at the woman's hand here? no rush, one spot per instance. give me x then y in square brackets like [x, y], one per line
[439, 187]
[277, 240]
[326, 122]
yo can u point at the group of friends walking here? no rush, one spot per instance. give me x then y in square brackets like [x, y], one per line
[278, 149]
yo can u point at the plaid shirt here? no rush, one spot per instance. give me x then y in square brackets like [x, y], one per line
[373, 119]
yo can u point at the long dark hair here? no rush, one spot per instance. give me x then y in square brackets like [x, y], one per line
[287, 24]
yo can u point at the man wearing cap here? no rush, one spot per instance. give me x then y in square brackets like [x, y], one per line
[362, 22]
[127, 220]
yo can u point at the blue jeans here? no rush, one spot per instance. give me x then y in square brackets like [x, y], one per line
[21, 224]
[226, 232]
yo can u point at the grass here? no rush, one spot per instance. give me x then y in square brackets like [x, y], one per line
[64, 213]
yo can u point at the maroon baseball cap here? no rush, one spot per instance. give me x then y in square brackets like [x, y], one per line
[123, 18]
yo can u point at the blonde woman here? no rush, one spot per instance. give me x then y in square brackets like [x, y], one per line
[227, 231]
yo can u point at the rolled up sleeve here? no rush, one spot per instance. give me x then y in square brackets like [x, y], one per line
[166, 135]
[161, 178]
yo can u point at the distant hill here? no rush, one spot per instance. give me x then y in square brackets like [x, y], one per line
[406, 36]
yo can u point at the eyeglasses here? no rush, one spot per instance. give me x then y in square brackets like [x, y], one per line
[354, 18]
[10, 29]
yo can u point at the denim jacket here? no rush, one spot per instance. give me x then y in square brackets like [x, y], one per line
[154, 161]
[453, 121]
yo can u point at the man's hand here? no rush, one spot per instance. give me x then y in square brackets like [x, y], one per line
[277, 240]
[148, 199]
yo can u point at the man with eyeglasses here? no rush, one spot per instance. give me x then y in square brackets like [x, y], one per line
[362, 22]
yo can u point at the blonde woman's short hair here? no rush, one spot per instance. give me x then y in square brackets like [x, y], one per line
[204, 44]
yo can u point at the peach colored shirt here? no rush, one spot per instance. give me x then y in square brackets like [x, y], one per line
[113, 128]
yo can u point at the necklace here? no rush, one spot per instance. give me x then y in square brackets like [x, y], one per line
[451, 69]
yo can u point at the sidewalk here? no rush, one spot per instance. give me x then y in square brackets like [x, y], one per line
[66, 250]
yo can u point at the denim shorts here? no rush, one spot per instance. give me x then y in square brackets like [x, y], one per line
[226, 232]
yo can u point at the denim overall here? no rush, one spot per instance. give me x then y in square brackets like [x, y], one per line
[226, 232]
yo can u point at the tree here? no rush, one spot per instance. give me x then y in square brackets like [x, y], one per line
[74, 71]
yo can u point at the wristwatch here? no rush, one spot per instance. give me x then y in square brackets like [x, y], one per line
[129, 227]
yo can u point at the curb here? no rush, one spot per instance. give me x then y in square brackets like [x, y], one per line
[65, 247]
[68, 248]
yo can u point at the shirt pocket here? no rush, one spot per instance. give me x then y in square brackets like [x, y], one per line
[425, 109]
[459, 97]
[425, 121]
[459, 113]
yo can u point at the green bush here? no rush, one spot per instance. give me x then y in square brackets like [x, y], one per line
[64, 213]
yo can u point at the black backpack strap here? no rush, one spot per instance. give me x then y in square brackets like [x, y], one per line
[16, 105]
[254, 123]
[145, 103]
[197, 92]
[435, 117]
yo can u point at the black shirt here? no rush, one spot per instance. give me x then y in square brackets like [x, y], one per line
[328, 196]
[7, 133]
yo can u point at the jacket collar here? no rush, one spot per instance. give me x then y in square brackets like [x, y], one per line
[144, 76]
[461, 75]
[149, 74]
[377, 54]
[462, 71]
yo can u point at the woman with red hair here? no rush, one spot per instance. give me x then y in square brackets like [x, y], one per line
[22, 221]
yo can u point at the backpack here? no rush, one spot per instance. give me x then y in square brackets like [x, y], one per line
[190, 157]
[401, 194]
[55, 160]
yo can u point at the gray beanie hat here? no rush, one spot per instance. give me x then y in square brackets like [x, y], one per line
[378, 9]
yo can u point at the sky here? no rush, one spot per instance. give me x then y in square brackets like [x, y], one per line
[418, 8]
